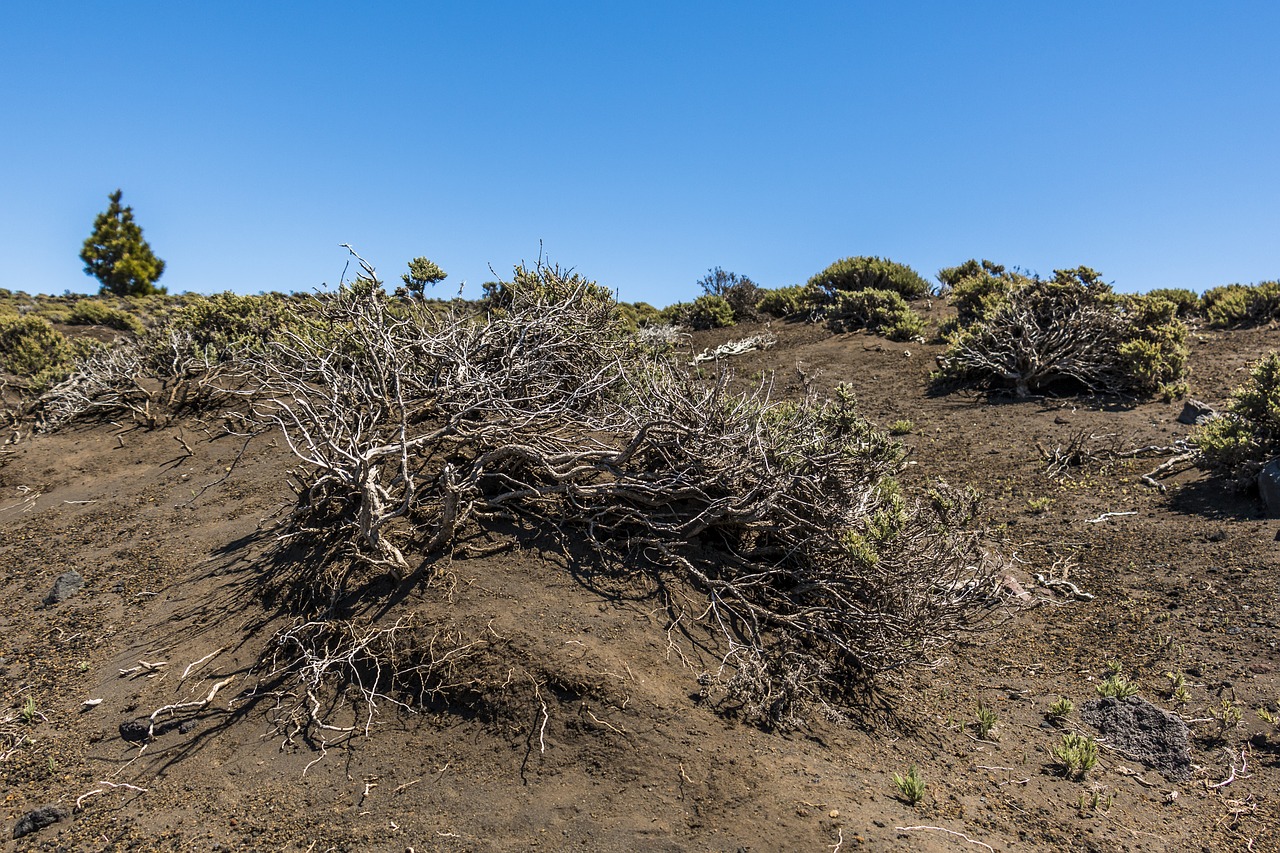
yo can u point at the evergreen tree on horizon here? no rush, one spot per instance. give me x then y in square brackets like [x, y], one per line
[117, 255]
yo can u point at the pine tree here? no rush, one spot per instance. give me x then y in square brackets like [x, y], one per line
[421, 273]
[117, 256]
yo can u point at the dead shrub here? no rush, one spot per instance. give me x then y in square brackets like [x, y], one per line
[812, 565]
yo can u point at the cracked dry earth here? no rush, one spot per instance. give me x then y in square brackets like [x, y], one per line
[599, 741]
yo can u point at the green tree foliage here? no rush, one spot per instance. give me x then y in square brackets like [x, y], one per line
[871, 273]
[739, 291]
[421, 273]
[117, 255]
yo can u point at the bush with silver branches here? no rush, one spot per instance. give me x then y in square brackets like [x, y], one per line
[1072, 327]
[783, 518]
[146, 380]
[183, 365]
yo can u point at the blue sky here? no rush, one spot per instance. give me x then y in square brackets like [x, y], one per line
[643, 143]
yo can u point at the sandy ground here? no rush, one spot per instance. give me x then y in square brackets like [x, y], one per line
[599, 739]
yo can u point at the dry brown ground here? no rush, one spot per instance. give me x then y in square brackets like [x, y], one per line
[599, 741]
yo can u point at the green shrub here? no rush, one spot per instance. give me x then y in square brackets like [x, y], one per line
[636, 315]
[708, 312]
[1225, 305]
[879, 311]
[93, 312]
[32, 349]
[673, 314]
[739, 291]
[1242, 305]
[1154, 352]
[871, 273]
[1074, 328]
[548, 284]
[975, 288]
[792, 301]
[215, 326]
[1185, 301]
[1246, 436]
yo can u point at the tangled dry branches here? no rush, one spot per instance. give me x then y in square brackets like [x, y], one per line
[413, 424]
[1041, 334]
[147, 380]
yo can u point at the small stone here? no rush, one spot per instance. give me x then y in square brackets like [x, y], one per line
[1153, 736]
[64, 587]
[834, 813]
[38, 819]
[1269, 487]
[1195, 413]
[136, 731]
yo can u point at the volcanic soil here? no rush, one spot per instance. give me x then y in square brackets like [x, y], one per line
[588, 730]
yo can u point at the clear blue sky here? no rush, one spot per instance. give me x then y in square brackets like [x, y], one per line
[643, 142]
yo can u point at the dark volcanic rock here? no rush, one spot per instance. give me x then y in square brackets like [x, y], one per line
[1139, 729]
[136, 730]
[64, 587]
[1269, 487]
[34, 821]
[1195, 413]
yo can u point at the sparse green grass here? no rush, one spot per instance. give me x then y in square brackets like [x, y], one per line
[29, 711]
[1095, 802]
[1118, 686]
[911, 786]
[985, 720]
[901, 427]
[1059, 711]
[1076, 755]
[1178, 687]
[1228, 716]
[1039, 505]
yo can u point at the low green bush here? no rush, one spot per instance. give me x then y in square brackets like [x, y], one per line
[975, 288]
[1073, 328]
[31, 349]
[1154, 352]
[1242, 305]
[708, 312]
[793, 301]
[1240, 442]
[637, 315]
[548, 284]
[880, 311]
[215, 326]
[1185, 301]
[93, 312]
[871, 273]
